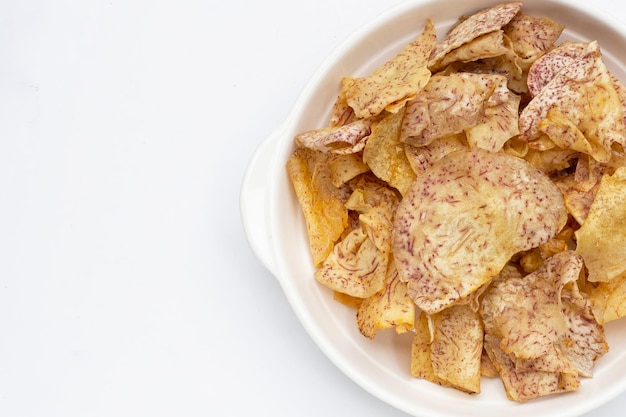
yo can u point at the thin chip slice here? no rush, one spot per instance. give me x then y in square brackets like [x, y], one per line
[423, 157]
[478, 24]
[601, 240]
[450, 104]
[456, 347]
[321, 202]
[355, 266]
[461, 223]
[385, 155]
[390, 308]
[531, 332]
[394, 83]
[581, 100]
[485, 46]
[608, 299]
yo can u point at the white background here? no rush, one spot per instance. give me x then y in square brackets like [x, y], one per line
[127, 287]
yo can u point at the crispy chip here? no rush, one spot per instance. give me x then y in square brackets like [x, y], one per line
[602, 237]
[390, 308]
[478, 24]
[580, 100]
[450, 104]
[385, 155]
[321, 202]
[423, 157]
[485, 46]
[344, 167]
[471, 199]
[456, 347]
[396, 82]
[608, 299]
[532, 37]
[344, 139]
[499, 125]
[537, 349]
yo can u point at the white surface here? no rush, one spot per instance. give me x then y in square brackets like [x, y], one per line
[127, 287]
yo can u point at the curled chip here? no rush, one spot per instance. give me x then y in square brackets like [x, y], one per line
[602, 237]
[478, 24]
[460, 224]
[385, 155]
[450, 104]
[578, 108]
[397, 81]
[325, 215]
[539, 331]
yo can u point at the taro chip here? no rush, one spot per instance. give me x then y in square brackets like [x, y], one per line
[390, 308]
[609, 299]
[423, 157]
[355, 266]
[537, 351]
[321, 202]
[581, 100]
[468, 200]
[601, 240]
[394, 83]
[385, 155]
[346, 139]
[488, 45]
[450, 104]
[476, 25]
[531, 36]
[456, 347]
[500, 125]
[344, 168]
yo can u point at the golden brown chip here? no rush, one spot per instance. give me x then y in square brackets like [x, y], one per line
[478, 24]
[345, 167]
[321, 202]
[609, 299]
[601, 240]
[456, 347]
[459, 224]
[390, 308]
[450, 104]
[394, 83]
[385, 155]
[421, 364]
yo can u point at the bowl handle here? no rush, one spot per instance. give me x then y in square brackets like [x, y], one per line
[254, 199]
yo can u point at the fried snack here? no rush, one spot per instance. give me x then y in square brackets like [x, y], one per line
[321, 202]
[470, 199]
[538, 329]
[578, 108]
[385, 155]
[396, 82]
[473, 191]
[476, 25]
[450, 104]
[389, 308]
[456, 347]
[601, 240]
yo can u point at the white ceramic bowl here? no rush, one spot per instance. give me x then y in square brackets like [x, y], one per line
[275, 228]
